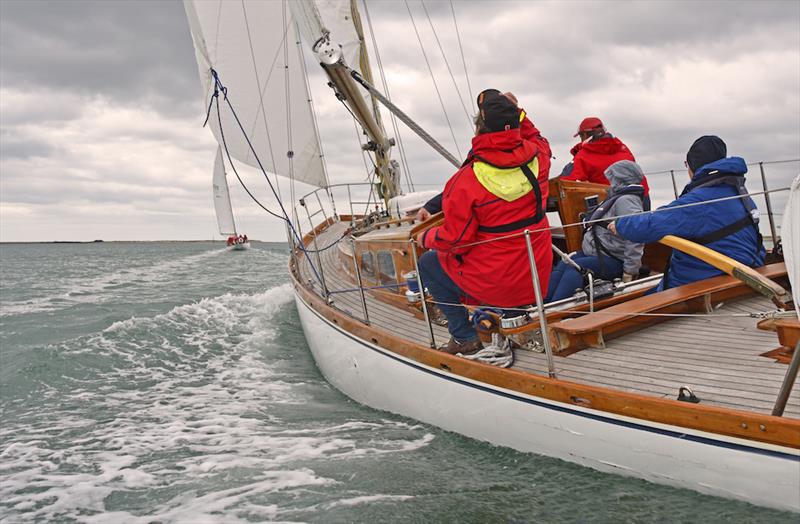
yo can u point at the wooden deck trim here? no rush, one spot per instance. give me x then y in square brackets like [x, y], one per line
[592, 330]
[716, 420]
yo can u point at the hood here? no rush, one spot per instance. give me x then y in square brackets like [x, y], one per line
[624, 173]
[503, 148]
[607, 145]
[733, 165]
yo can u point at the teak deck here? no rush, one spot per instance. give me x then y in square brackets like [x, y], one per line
[717, 356]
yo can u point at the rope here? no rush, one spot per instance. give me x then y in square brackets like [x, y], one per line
[776, 313]
[610, 219]
[447, 64]
[217, 88]
[435, 85]
[393, 118]
[498, 353]
[460, 48]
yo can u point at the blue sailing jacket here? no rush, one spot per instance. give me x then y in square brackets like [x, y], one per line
[696, 221]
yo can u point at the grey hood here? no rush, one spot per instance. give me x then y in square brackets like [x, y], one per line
[623, 173]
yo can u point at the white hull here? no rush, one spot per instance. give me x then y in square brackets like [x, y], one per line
[763, 474]
[239, 247]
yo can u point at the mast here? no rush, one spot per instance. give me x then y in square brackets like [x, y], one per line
[331, 58]
[390, 183]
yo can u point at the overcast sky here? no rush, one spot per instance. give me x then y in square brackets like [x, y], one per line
[101, 106]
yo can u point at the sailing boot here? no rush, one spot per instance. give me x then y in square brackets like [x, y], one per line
[469, 347]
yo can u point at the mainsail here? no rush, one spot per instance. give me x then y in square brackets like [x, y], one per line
[253, 47]
[222, 198]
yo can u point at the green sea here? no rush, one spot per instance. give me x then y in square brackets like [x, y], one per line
[170, 382]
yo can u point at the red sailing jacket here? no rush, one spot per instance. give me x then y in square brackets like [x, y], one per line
[494, 273]
[593, 158]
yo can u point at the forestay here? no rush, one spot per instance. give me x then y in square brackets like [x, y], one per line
[253, 46]
[222, 197]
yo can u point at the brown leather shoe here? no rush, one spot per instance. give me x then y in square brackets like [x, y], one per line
[469, 347]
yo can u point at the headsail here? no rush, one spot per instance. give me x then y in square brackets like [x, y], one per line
[222, 197]
[253, 46]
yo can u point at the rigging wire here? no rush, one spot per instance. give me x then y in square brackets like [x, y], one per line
[393, 118]
[310, 100]
[217, 88]
[433, 78]
[461, 48]
[261, 94]
[447, 64]
[288, 93]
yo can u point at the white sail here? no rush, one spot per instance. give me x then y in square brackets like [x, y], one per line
[222, 198]
[790, 235]
[253, 46]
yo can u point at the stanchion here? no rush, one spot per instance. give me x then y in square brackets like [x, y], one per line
[551, 368]
[358, 280]
[422, 292]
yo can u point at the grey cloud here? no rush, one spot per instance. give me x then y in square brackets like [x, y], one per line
[76, 62]
[12, 147]
[128, 50]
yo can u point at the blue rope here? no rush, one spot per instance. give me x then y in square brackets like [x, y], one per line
[217, 88]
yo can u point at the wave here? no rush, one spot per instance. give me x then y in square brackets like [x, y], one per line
[187, 416]
[91, 290]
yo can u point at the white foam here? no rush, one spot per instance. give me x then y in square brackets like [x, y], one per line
[365, 499]
[193, 393]
[92, 290]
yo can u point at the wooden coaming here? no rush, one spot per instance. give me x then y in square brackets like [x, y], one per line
[698, 297]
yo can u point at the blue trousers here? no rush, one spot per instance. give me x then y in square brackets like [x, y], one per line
[443, 289]
[565, 279]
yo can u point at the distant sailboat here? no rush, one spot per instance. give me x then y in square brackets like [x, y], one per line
[222, 205]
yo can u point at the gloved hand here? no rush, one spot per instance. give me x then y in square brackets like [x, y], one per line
[627, 277]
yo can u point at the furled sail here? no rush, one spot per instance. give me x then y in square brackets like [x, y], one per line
[253, 47]
[316, 17]
[335, 19]
[222, 198]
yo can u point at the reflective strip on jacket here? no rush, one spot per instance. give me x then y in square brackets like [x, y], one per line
[495, 273]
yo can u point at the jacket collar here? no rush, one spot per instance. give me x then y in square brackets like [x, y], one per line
[503, 148]
[724, 168]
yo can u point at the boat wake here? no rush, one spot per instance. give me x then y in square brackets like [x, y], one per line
[200, 412]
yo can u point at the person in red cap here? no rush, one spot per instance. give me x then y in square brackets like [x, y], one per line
[479, 252]
[597, 150]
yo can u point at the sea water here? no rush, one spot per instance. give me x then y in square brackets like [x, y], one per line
[171, 382]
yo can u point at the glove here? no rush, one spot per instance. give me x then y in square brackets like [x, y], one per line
[627, 277]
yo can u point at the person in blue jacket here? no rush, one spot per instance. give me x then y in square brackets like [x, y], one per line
[729, 227]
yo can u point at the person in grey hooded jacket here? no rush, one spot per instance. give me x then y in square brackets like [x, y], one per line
[606, 255]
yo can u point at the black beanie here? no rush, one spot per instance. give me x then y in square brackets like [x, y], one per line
[706, 149]
[498, 112]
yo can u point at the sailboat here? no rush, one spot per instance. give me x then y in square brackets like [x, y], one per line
[672, 387]
[223, 208]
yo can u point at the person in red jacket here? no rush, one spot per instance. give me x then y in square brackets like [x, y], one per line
[596, 151]
[479, 252]
[527, 130]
